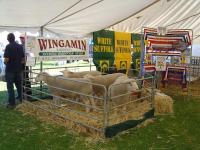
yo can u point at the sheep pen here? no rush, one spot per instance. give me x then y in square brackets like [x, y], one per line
[70, 110]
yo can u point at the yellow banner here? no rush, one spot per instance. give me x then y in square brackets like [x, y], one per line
[122, 50]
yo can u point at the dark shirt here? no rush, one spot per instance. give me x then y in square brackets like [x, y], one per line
[23, 65]
[15, 54]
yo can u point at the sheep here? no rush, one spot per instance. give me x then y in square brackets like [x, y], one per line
[103, 80]
[69, 74]
[83, 87]
[119, 92]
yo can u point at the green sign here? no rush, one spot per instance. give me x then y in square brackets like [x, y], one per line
[136, 41]
[103, 49]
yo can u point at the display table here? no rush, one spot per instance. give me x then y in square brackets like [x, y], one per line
[175, 74]
[150, 70]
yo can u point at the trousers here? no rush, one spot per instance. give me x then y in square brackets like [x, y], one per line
[11, 79]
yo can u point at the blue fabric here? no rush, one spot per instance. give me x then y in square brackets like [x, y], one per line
[11, 79]
[14, 52]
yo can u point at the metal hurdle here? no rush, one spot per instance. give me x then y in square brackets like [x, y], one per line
[193, 77]
[104, 115]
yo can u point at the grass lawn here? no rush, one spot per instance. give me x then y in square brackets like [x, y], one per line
[3, 93]
[180, 131]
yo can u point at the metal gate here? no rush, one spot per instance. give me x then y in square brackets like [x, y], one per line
[105, 115]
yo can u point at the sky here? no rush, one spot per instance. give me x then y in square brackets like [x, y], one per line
[3, 37]
[196, 50]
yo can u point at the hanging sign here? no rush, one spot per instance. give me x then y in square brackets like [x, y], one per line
[136, 42]
[136, 50]
[160, 63]
[57, 49]
[103, 49]
[122, 50]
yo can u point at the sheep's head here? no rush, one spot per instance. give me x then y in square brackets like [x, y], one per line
[41, 76]
[66, 73]
[133, 85]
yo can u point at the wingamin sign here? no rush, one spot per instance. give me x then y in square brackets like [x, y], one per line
[57, 49]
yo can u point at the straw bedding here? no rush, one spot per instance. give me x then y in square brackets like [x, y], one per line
[135, 110]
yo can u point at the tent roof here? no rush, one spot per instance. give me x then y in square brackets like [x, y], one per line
[70, 17]
[173, 14]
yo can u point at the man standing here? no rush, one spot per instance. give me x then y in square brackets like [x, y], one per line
[13, 59]
[26, 82]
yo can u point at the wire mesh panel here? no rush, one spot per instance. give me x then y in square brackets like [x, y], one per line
[69, 98]
[129, 104]
[194, 77]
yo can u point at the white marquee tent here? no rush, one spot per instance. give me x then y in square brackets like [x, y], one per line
[68, 17]
[173, 14]
[82, 17]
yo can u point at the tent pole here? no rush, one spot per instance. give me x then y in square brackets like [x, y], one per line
[142, 54]
[41, 64]
[133, 14]
[62, 13]
[183, 19]
[41, 34]
[75, 12]
[21, 27]
[197, 36]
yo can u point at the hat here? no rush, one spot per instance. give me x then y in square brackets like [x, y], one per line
[22, 36]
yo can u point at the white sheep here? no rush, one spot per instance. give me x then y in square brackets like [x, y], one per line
[69, 74]
[83, 86]
[104, 80]
[119, 92]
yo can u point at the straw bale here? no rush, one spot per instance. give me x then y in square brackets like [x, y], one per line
[163, 103]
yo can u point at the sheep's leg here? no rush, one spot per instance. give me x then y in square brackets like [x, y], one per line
[77, 99]
[56, 100]
[125, 98]
[86, 101]
[124, 107]
[97, 102]
[92, 102]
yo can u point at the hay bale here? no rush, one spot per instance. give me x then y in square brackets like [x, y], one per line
[163, 103]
